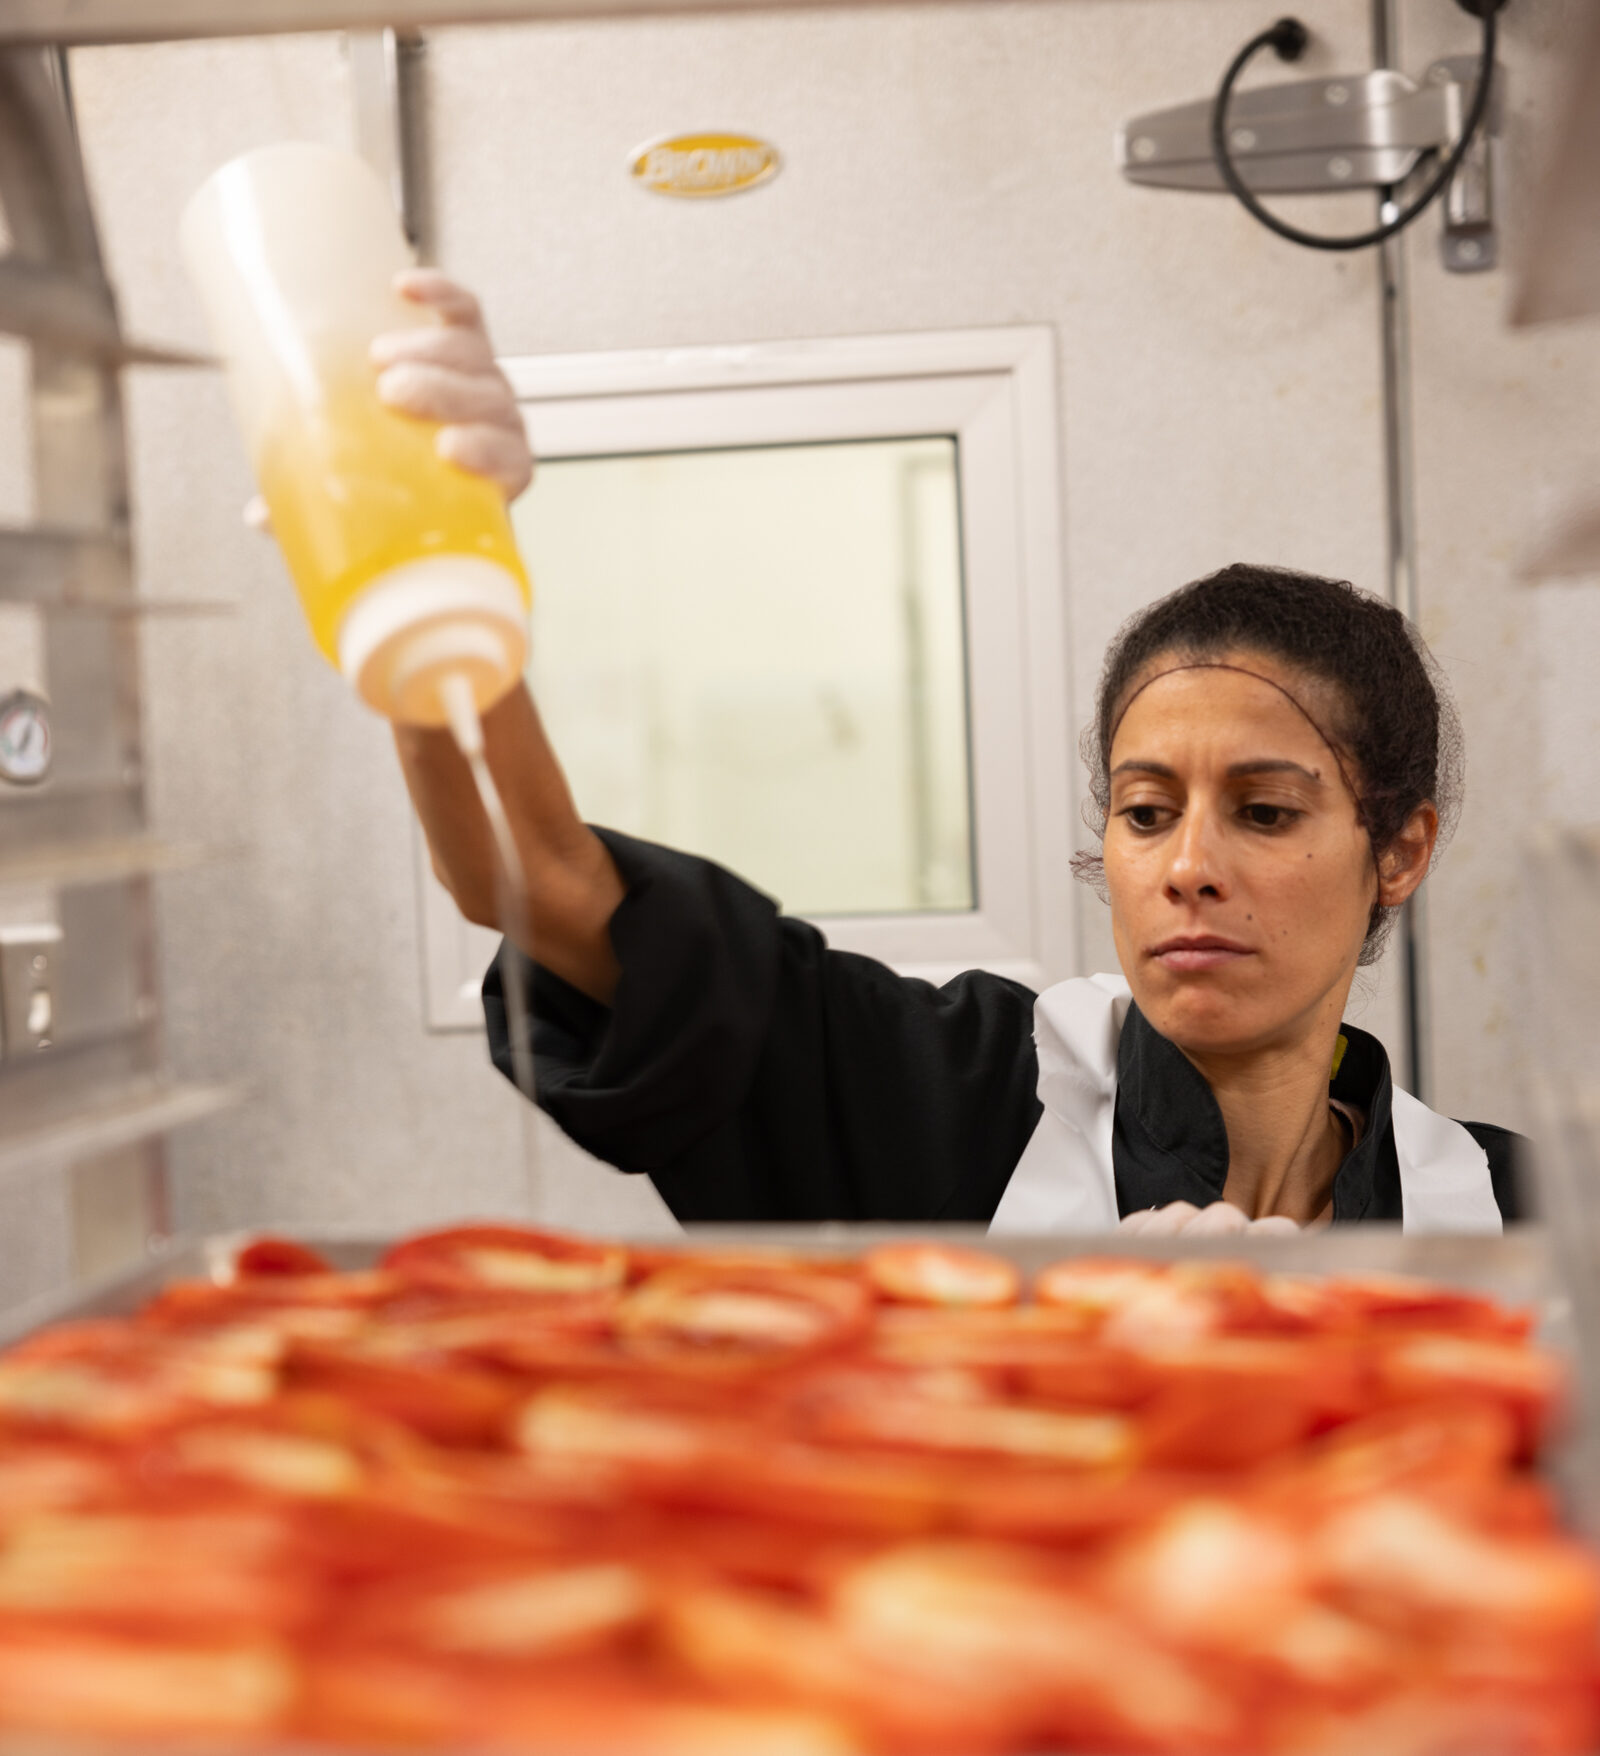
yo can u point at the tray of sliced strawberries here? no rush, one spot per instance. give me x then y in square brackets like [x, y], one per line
[498, 1489]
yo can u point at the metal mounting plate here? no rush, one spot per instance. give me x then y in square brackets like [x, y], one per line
[1361, 131]
[27, 987]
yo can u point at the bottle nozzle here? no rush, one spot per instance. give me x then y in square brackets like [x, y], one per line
[418, 630]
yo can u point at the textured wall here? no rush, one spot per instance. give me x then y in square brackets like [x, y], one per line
[946, 166]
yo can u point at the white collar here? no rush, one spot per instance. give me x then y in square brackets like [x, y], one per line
[1065, 1181]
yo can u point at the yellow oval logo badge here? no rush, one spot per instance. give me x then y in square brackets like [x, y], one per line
[698, 165]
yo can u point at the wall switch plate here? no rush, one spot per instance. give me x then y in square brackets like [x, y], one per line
[28, 957]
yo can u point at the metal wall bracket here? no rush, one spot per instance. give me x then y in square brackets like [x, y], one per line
[383, 66]
[1313, 136]
[1469, 243]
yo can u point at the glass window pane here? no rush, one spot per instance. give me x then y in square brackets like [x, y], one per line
[758, 655]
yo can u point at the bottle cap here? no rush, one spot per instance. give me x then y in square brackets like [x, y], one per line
[425, 620]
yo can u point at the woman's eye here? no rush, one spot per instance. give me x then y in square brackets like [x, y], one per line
[1269, 816]
[1145, 817]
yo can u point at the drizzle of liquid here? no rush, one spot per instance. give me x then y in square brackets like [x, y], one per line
[511, 907]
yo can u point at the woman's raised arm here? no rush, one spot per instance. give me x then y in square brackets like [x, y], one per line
[449, 374]
[573, 885]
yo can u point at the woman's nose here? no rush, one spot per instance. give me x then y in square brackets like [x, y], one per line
[1194, 858]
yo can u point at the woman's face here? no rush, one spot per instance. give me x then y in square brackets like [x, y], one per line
[1241, 880]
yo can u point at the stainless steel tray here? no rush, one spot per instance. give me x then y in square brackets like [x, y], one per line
[1518, 1267]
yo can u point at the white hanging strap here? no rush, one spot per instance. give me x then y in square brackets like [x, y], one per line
[1444, 1174]
[1064, 1181]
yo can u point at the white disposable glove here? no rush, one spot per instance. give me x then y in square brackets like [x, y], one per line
[447, 373]
[1221, 1219]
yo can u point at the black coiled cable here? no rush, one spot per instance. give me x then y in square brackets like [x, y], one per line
[1289, 36]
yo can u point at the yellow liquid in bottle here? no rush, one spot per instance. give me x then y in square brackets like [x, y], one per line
[355, 489]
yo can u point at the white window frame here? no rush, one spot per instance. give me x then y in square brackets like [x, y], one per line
[995, 391]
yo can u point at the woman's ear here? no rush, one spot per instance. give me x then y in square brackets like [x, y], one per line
[1406, 860]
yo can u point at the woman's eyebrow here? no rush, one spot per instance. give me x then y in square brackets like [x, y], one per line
[1271, 765]
[1234, 770]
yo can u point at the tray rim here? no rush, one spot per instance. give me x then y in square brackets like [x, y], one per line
[1519, 1264]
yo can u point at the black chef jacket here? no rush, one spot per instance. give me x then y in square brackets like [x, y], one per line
[753, 1074]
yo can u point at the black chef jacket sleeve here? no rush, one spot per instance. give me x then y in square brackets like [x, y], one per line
[753, 1074]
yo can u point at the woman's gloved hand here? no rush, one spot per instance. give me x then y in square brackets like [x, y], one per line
[447, 373]
[1221, 1219]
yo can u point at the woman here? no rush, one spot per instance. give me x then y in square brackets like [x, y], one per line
[1271, 763]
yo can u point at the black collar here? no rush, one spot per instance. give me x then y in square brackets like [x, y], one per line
[1169, 1142]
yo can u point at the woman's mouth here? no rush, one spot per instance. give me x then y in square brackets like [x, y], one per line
[1199, 951]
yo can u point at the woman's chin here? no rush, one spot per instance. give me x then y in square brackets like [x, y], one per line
[1205, 1018]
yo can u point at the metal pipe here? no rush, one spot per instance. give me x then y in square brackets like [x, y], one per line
[1400, 540]
[79, 22]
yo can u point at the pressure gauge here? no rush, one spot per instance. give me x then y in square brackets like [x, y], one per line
[24, 738]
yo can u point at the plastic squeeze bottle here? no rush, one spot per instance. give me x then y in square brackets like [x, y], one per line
[405, 565]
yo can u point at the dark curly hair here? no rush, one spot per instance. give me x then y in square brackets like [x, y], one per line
[1394, 727]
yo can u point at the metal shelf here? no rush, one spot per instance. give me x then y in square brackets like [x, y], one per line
[95, 1102]
[41, 566]
[118, 1118]
[104, 860]
[148, 608]
[75, 314]
[67, 572]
